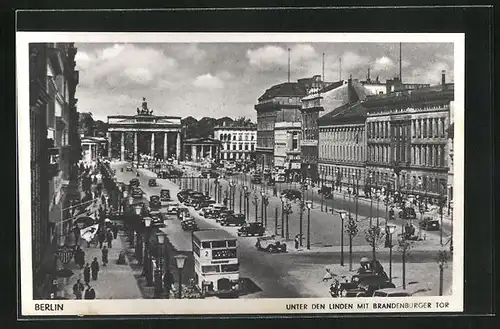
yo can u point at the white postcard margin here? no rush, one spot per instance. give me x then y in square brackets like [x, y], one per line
[453, 303]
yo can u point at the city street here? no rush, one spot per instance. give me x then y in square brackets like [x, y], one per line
[274, 273]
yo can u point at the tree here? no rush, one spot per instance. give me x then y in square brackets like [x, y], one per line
[404, 247]
[100, 128]
[374, 236]
[243, 122]
[86, 124]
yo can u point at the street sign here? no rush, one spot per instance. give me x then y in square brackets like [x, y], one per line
[65, 254]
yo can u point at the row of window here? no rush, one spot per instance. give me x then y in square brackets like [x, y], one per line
[240, 147]
[228, 156]
[228, 137]
[420, 128]
[420, 155]
[342, 152]
[342, 134]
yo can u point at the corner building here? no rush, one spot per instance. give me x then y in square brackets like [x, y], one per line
[407, 140]
[237, 143]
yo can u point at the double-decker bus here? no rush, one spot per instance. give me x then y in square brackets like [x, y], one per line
[216, 263]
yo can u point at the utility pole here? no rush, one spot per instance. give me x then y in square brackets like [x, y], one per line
[340, 68]
[323, 70]
[288, 64]
[400, 63]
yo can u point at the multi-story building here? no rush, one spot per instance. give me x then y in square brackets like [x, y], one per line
[280, 105]
[55, 150]
[319, 108]
[450, 155]
[407, 140]
[237, 143]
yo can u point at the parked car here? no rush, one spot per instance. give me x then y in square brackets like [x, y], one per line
[165, 195]
[154, 202]
[134, 182]
[233, 220]
[270, 244]
[326, 191]
[256, 179]
[429, 224]
[408, 213]
[292, 194]
[128, 168]
[157, 218]
[223, 215]
[152, 182]
[374, 284]
[183, 213]
[391, 292]
[251, 229]
[182, 195]
[205, 211]
[189, 225]
[137, 193]
[172, 209]
[204, 203]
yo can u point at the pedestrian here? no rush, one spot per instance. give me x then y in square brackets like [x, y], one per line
[109, 237]
[104, 252]
[297, 241]
[86, 274]
[168, 281]
[89, 293]
[328, 275]
[76, 233]
[115, 230]
[275, 191]
[101, 236]
[79, 257]
[78, 289]
[94, 268]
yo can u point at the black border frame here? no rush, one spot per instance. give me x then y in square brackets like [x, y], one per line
[476, 22]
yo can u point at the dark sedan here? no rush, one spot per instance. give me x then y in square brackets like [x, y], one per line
[252, 229]
[429, 224]
[137, 193]
[154, 202]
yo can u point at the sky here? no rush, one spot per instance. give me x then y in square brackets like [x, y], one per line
[226, 79]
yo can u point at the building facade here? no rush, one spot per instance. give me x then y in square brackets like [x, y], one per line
[144, 133]
[202, 149]
[407, 140]
[279, 104]
[237, 143]
[342, 147]
[55, 150]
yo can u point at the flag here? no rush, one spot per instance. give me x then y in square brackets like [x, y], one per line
[89, 233]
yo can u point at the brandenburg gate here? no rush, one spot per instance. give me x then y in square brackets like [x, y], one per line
[158, 136]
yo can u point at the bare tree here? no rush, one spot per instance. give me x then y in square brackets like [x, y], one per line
[374, 236]
[351, 230]
[404, 246]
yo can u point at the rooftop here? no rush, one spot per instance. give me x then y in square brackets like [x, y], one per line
[284, 89]
[210, 235]
[345, 114]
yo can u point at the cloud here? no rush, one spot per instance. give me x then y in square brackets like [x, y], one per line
[224, 75]
[208, 81]
[383, 63]
[351, 60]
[123, 65]
[270, 57]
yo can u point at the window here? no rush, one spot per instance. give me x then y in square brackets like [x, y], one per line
[252, 147]
[210, 269]
[246, 147]
[231, 243]
[218, 244]
[234, 147]
[205, 244]
[240, 147]
[230, 268]
[234, 137]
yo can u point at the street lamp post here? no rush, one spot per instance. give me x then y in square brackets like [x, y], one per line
[342, 218]
[442, 201]
[283, 199]
[245, 189]
[180, 260]
[159, 270]
[321, 188]
[149, 279]
[442, 259]
[309, 206]
[390, 229]
[371, 201]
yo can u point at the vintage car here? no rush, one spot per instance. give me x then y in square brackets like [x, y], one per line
[183, 194]
[429, 224]
[165, 195]
[157, 218]
[370, 285]
[233, 220]
[224, 214]
[326, 191]
[172, 209]
[391, 292]
[213, 214]
[128, 168]
[195, 198]
[291, 194]
[204, 203]
[271, 244]
[154, 202]
[152, 182]
[137, 193]
[205, 211]
[252, 229]
[189, 225]
[183, 213]
[256, 179]
[408, 213]
[134, 182]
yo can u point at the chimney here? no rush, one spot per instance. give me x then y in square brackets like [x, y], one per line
[443, 77]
